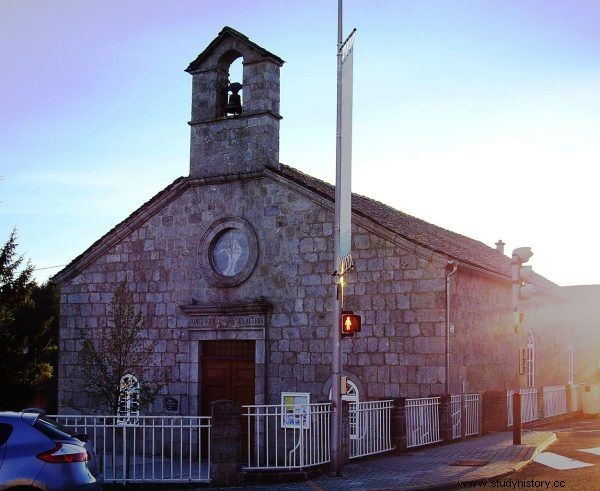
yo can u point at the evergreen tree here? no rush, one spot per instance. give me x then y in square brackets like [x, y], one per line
[27, 321]
[116, 348]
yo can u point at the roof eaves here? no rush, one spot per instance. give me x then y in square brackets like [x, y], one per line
[432, 237]
[158, 201]
[231, 32]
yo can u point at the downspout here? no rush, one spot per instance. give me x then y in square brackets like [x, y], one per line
[452, 267]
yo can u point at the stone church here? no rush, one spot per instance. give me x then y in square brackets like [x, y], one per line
[232, 267]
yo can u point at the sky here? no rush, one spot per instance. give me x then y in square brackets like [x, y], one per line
[481, 116]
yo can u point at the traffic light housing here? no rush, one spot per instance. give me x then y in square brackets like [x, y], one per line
[526, 290]
[521, 290]
[349, 323]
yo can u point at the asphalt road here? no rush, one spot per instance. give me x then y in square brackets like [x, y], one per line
[572, 436]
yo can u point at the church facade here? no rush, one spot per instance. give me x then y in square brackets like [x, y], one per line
[232, 268]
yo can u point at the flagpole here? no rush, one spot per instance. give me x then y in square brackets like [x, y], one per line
[336, 358]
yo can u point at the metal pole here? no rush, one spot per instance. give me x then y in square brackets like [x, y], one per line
[515, 274]
[336, 358]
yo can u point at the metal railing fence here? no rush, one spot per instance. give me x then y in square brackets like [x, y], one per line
[422, 421]
[149, 448]
[370, 428]
[509, 406]
[529, 404]
[472, 411]
[284, 437]
[555, 400]
[456, 415]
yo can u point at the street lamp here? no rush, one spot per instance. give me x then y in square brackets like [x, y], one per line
[520, 291]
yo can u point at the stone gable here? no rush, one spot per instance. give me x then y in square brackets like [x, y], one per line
[399, 294]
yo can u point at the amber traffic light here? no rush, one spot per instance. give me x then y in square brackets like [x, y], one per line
[350, 323]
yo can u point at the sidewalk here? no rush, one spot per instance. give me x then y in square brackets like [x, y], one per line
[429, 468]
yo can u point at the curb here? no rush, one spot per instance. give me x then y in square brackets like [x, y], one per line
[518, 466]
[538, 450]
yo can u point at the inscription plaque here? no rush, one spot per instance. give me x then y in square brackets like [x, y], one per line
[228, 321]
[171, 404]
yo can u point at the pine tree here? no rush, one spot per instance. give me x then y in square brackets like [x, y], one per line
[26, 329]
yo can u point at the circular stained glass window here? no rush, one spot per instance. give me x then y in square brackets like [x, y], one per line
[230, 252]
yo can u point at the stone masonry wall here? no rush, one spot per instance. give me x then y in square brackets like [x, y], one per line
[543, 315]
[400, 350]
[400, 296]
[483, 346]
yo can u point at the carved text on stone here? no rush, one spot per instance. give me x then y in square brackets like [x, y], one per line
[228, 321]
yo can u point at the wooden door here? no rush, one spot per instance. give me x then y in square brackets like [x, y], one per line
[227, 372]
[226, 379]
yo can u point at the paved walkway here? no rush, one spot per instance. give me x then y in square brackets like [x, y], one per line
[429, 468]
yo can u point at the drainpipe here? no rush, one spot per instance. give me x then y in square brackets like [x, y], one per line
[451, 268]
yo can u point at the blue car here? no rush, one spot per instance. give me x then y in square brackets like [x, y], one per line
[36, 453]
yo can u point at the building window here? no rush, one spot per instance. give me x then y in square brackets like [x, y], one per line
[530, 367]
[129, 400]
[228, 252]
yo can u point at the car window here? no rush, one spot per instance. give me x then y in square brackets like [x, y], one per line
[52, 429]
[5, 431]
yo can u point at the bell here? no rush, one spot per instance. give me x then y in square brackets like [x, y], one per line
[234, 104]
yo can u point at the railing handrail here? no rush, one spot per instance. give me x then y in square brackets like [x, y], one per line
[312, 404]
[528, 390]
[70, 416]
[157, 449]
[552, 388]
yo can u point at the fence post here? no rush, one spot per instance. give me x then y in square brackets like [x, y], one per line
[225, 446]
[345, 450]
[125, 453]
[398, 423]
[569, 396]
[445, 415]
[517, 418]
[495, 411]
[480, 414]
[463, 415]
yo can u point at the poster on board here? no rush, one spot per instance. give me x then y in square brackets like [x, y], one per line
[294, 410]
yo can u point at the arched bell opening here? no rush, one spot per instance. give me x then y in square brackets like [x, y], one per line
[230, 84]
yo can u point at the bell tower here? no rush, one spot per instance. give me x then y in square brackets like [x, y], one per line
[235, 123]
